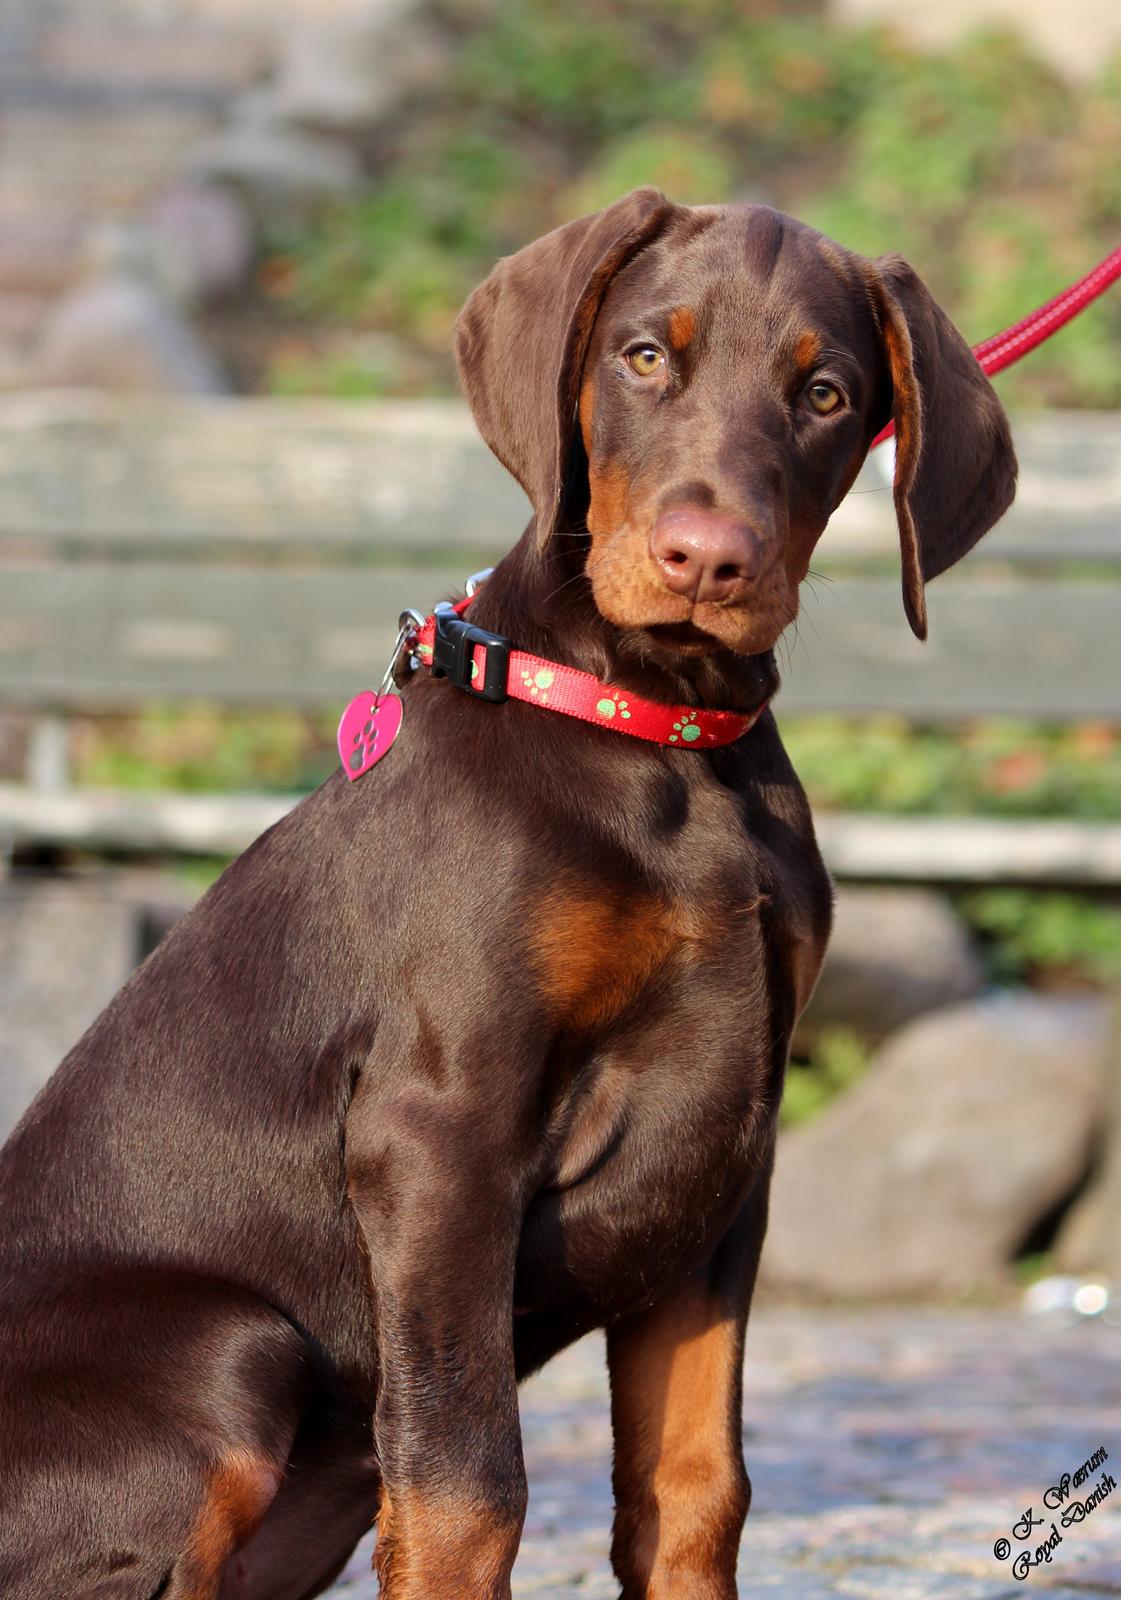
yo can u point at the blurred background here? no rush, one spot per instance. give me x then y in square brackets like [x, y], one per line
[233, 240]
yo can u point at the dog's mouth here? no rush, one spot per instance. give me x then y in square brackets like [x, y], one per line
[683, 637]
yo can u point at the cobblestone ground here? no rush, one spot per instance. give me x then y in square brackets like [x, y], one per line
[889, 1452]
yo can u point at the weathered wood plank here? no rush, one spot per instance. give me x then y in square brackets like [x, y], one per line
[918, 849]
[258, 477]
[101, 635]
[140, 821]
[970, 849]
[263, 478]
[1067, 507]
[996, 646]
[108, 635]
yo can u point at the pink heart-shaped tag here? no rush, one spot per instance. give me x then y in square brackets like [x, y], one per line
[367, 730]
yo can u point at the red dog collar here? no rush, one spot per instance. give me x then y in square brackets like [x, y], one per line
[485, 665]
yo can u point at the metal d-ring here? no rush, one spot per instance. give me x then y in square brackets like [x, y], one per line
[475, 580]
[409, 624]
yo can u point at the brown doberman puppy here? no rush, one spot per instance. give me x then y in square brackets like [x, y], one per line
[486, 1050]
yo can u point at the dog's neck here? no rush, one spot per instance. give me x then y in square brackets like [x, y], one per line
[543, 603]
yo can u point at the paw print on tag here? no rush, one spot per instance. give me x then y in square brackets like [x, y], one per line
[539, 683]
[686, 730]
[368, 728]
[613, 705]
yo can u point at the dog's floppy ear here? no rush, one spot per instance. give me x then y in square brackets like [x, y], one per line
[955, 470]
[521, 339]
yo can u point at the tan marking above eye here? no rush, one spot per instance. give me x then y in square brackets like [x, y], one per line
[807, 349]
[823, 398]
[682, 327]
[646, 360]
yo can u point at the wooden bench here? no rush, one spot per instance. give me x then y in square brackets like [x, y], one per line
[259, 552]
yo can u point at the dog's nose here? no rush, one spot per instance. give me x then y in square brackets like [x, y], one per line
[702, 555]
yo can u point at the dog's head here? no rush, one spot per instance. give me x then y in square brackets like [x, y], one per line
[696, 387]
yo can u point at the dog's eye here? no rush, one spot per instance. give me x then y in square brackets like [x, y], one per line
[823, 397]
[645, 359]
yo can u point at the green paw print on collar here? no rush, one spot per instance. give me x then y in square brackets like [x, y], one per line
[539, 683]
[686, 729]
[609, 705]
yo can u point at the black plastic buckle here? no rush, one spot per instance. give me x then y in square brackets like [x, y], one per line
[453, 651]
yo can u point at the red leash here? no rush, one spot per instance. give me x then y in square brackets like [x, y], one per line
[1003, 349]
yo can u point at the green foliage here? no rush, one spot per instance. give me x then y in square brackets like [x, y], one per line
[1032, 935]
[839, 1057]
[962, 163]
[197, 873]
[203, 749]
[1030, 1268]
[992, 767]
[999, 180]
[344, 377]
[580, 72]
[780, 88]
[693, 169]
[396, 259]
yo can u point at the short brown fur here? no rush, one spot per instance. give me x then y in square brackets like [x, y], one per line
[679, 1483]
[486, 1050]
[431, 1545]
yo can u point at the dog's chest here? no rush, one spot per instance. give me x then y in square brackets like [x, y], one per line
[672, 1005]
[661, 1113]
[650, 1150]
[611, 944]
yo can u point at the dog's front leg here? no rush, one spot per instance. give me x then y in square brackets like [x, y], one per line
[434, 1185]
[681, 1488]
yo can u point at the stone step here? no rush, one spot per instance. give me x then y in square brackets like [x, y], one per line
[41, 244]
[104, 162]
[21, 315]
[210, 61]
[93, 67]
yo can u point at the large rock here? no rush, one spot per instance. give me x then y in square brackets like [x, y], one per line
[971, 1125]
[206, 238]
[65, 949]
[894, 954]
[122, 328]
[1090, 1238]
[122, 335]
